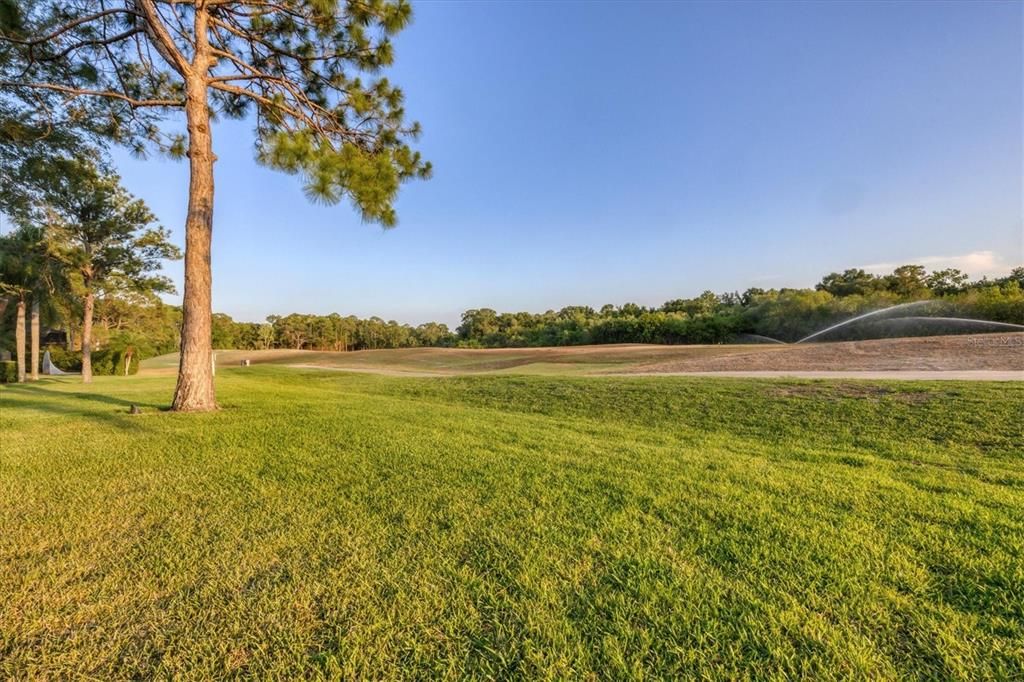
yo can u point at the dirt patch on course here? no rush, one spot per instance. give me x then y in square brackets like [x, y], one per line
[931, 353]
[969, 357]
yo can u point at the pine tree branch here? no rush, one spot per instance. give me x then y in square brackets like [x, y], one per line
[110, 94]
[161, 39]
[278, 50]
[89, 43]
[251, 73]
[266, 101]
[56, 33]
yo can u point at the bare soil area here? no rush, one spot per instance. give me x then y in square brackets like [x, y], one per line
[931, 353]
[976, 356]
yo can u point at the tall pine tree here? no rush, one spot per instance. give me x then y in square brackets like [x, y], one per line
[302, 67]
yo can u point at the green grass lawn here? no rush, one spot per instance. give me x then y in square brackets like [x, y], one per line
[559, 360]
[326, 524]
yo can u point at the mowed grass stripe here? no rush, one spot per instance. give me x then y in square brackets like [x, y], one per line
[327, 524]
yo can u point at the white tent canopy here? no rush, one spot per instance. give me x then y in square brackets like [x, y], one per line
[49, 367]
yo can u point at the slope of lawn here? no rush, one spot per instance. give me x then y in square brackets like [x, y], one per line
[451, 361]
[327, 524]
[971, 352]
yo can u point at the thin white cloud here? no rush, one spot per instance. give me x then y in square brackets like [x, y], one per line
[975, 264]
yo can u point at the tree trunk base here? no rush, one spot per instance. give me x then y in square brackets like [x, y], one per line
[181, 406]
[194, 397]
[194, 410]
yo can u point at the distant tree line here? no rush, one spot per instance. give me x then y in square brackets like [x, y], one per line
[326, 332]
[782, 314]
[137, 319]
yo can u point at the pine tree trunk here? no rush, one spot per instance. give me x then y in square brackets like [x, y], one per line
[34, 373]
[194, 392]
[87, 340]
[19, 340]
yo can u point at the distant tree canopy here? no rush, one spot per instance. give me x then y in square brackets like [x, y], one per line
[785, 314]
[141, 321]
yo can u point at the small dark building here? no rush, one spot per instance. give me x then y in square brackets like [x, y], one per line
[54, 337]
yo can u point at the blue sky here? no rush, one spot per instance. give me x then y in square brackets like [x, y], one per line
[591, 153]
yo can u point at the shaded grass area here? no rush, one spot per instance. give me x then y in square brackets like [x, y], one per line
[330, 524]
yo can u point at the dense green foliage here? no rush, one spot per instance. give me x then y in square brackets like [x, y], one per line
[125, 319]
[29, 140]
[337, 525]
[308, 71]
[139, 319]
[115, 362]
[110, 361]
[80, 236]
[786, 314]
[105, 240]
[8, 371]
[326, 332]
[25, 271]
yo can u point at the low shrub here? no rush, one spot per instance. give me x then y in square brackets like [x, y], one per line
[8, 371]
[111, 362]
[106, 362]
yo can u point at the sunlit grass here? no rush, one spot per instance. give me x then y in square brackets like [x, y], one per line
[448, 361]
[325, 523]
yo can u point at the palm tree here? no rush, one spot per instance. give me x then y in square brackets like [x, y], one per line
[22, 257]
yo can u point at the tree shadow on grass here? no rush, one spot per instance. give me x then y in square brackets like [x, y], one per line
[119, 417]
